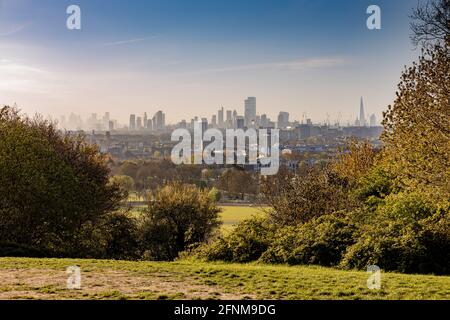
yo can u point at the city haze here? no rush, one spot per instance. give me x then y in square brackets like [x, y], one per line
[188, 59]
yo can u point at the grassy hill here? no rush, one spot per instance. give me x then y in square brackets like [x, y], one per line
[25, 278]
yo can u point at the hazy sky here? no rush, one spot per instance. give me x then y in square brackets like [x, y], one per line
[189, 57]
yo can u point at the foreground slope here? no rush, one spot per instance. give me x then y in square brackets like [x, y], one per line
[26, 278]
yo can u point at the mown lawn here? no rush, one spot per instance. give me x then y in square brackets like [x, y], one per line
[25, 278]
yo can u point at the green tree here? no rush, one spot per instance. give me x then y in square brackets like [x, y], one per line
[126, 183]
[180, 215]
[52, 185]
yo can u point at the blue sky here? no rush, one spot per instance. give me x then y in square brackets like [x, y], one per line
[188, 57]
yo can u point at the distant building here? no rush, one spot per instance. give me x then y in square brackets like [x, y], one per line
[220, 118]
[149, 124]
[106, 119]
[283, 120]
[250, 111]
[373, 120]
[139, 123]
[240, 122]
[132, 122]
[159, 121]
[204, 124]
[362, 116]
[264, 121]
[229, 119]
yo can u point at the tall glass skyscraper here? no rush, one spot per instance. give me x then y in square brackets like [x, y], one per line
[250, 111]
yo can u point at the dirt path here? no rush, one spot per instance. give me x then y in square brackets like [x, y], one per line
[108, 284]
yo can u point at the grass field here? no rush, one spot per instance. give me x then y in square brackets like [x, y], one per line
[25, 278]
[231, 215]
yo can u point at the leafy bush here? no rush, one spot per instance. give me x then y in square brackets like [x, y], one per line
[435, 237]
[312, 192]
[121, 233]
[180, 216]
[403, 236]
[51, 185]
[246, 243]
[374, 186]
[321, 241]
[391, 245]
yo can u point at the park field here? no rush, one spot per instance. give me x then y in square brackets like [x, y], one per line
[26, 278]
[230, 215]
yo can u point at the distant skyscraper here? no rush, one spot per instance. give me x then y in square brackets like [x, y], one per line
[250, 111]
[204, 124]
[159, 121]
[240, 122]
[362, 116]
[145, 119]
[106, 119]
[264, 121]
[111, 125]
[149, 124]
[373, 120]
[220, 118]
[132, 122]
[229, 119]
[139, 123]
[283, 120]
[214, 121]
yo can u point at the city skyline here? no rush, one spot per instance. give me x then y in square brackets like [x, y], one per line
[313, 57]
[249, 119]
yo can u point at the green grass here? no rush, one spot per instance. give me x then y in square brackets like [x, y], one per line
[25, 278]
[232, 215]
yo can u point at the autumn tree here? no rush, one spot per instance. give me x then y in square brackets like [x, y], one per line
[354, 160]
[417, 126]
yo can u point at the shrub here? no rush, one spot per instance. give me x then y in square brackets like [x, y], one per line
[246, 243]
[399, 237]
[436, 240]
[312, 192]
[180, 216]
[391, 245]
[321, 241]
[375, 185]
[409, 206]
[121, 233]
